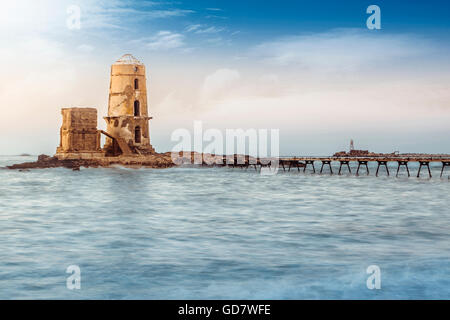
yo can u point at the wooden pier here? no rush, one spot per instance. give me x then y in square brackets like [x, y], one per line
[287, 163]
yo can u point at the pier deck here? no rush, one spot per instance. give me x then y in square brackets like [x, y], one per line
[372, 159]
[287, 163]
[402, 161]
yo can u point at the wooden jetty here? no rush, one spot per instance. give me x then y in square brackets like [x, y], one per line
[287, 163]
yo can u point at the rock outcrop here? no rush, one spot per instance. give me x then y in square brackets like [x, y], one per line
[151, 161]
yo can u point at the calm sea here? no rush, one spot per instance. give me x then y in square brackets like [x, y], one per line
[219, 233]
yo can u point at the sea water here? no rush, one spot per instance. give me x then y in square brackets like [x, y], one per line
[221, 233]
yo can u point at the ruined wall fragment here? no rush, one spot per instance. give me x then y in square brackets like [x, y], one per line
[79, 131]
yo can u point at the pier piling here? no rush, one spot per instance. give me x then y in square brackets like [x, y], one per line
[324, 162]
[444, 164]
[296, 163]
[364, 163]
[403, 163]
[344, 163]
[291, 162]
[424, 164]
[382, 163]
[311, 162]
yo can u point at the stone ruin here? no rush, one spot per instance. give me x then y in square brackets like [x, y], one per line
[127, 132]
[79, 134]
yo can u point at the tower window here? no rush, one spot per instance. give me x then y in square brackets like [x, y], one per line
[137, 111]
[137, 135]
[136, 84]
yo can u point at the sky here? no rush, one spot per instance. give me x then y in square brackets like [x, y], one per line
[311, 69]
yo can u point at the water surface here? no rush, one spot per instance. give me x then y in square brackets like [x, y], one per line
[218, 233]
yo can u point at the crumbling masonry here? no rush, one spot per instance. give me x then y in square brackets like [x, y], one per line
[79, 132]
[127, 122]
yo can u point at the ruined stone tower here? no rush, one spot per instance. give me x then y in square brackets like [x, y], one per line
[79, 135]
[128, 120]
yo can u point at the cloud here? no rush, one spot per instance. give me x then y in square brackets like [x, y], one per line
[49, 15]
[166, 40]
[217, 84]
[202, 29]
[193, 27]
[111, 14]
[219, 41]
[343, 50]
[210, 30]
[214, 13]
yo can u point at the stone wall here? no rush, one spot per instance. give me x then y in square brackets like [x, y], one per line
[79, 131]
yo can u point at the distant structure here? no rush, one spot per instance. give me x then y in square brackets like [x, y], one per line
[127, 121]
[128, 118]
[353, 152]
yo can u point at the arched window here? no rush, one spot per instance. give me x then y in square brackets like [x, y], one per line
[136, 84]
[137, 135]
[137, 111]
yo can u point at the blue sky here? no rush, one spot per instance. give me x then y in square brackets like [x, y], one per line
[288, 15]
[243, 23]
[309, 68]
[267, 18]
[293, 15]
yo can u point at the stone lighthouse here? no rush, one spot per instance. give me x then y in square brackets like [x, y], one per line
[128, 119]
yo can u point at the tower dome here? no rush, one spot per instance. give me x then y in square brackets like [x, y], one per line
[129, 59]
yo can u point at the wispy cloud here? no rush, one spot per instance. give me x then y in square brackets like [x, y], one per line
[215, 13]
[215, 16]
[218, 41]
[193, 27]
[210, 30]
[343, 49]
[111, 14]
[166, 40]
[203, 29]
